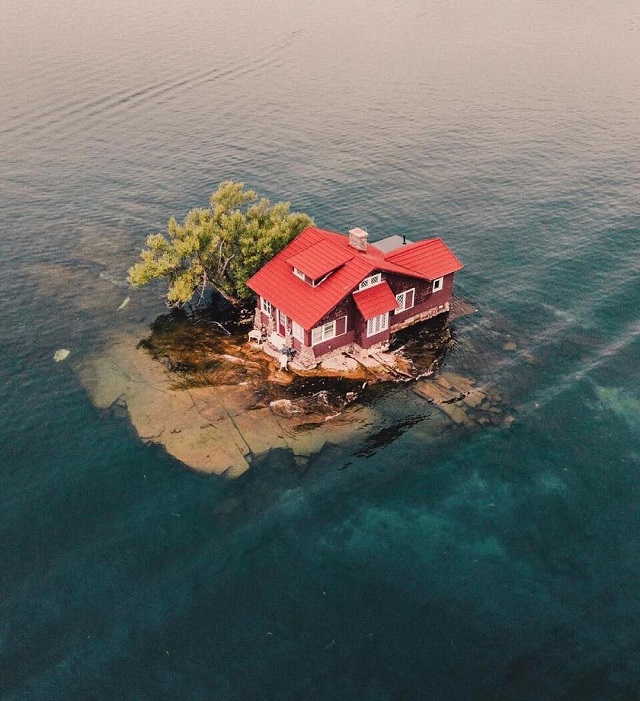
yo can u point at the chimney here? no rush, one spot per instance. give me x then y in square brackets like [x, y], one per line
[358, 239]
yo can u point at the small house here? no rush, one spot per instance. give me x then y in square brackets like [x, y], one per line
[326, 291]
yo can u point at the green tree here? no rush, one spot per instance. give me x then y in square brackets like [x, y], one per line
[222, 246]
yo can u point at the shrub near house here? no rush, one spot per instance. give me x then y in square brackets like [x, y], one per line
[325, 290]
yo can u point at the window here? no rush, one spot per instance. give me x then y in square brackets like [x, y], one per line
[437, 285]
[323, 333]
[405, 300]
[297, 331]
[266, 306]
[314, 283]
[329, 330]
[370, 281]
[378, 324]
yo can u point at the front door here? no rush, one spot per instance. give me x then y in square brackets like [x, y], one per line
[282, 324]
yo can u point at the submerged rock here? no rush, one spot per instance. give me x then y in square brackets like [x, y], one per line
[462, 402]
[60, 355]
[475, 398]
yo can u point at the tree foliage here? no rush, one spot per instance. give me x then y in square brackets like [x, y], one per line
[222, 246]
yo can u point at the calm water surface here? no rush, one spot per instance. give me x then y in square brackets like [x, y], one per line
[502, 564]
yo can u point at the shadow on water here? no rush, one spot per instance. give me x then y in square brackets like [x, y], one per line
[387, 435]
[425, 344]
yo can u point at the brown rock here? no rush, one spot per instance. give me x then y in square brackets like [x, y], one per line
[217, 429]
[527, 356]
[456, 414]
[461, 384]
[475, 398]
[435, 392]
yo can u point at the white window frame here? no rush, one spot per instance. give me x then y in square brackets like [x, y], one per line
[401, 299]
[370, 281]
[314, 283]
[297, 331]
[265, 305]
[438, 284]
[327, 331]
[282, 321]
[378, 324]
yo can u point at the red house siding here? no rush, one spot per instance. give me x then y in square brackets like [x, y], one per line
[356, 327]
[368, 341]
[346, 308]
[424, 299]
[444, 295]
[399, 284]
[365, 341]
[333, 344]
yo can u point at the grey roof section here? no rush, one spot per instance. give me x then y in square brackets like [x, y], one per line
[390, 243]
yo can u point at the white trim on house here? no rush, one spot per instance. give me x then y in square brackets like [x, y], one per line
[314, 283]
[327, 331]
[378, 324]
[297, 331]
[370, 281]
[437, 284]
[282, 321]
[265, 305]
[401, 298]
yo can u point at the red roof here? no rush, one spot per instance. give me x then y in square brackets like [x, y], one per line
[375, 300]
[321, 258]
[430, 259]
[307, 305]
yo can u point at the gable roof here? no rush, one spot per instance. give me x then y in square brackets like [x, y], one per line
[320, 258]
[431, 259]
[375, 300]
[345, 266]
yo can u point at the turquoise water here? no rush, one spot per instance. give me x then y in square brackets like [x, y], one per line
[499, 564]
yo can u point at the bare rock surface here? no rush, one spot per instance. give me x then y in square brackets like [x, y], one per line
[218, 403]
[219, 429]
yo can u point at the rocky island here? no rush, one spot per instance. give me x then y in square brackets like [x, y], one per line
[221, 384]
[218, 403]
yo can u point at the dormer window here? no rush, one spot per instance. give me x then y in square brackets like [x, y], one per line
[370, 281]
[314, 283]
[317, 262]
